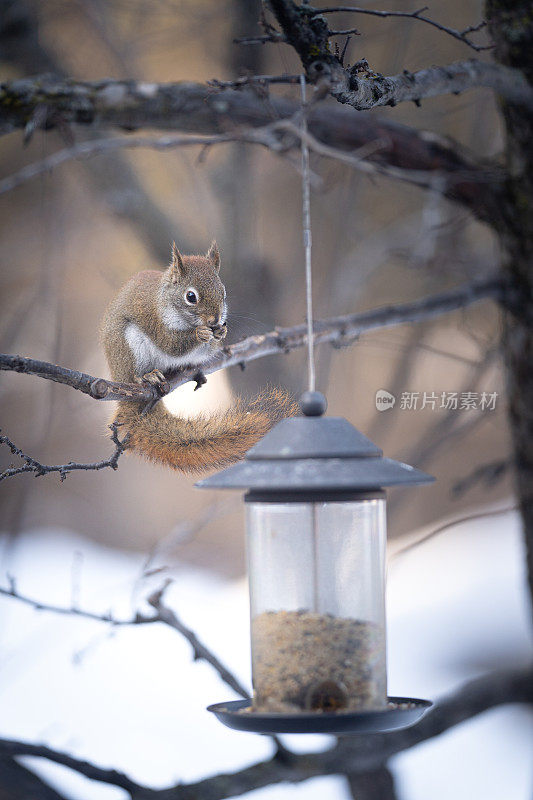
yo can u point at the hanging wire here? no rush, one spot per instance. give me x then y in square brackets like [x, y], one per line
[306, 224]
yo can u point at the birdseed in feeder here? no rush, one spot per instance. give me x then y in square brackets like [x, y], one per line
[305, 661]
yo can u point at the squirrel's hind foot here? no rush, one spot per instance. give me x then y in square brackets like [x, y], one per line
[156, 379]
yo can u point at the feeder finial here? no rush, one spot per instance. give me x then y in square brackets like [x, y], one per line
[313, 404]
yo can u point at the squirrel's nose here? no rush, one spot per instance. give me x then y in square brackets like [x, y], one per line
[213, 320]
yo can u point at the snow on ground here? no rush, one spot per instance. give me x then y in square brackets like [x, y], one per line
[131, 698]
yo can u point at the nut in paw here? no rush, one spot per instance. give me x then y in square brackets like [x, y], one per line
[220, 331]
[204, 334]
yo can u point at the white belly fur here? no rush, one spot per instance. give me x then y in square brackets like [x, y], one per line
[149, 356]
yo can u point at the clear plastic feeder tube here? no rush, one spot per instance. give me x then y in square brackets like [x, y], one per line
[317, 598]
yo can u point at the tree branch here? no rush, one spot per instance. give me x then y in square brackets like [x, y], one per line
[338, 331]
[37, 605]
[162, 614]
[110, 776]
[461, 36]
[196, 109]
[273, 36]
[200, 651]
[19, 783]
[488, 475]
[308, 33]
[378, 784]
[376, 90]
[97, 388]
[280, 137]
[95, 147]
[351, 756]
[38, 469]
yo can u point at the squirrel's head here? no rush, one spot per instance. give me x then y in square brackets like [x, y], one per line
[192, 291]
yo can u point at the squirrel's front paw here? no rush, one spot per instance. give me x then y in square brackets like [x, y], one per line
[220, 331]
[156, 379]
[204, 334]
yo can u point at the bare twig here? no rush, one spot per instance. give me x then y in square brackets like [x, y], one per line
[361, 159]
[446, 526]
[347, 32]
[461, 36]
[38, 469]
[102, 146]
[279, 137]
[350, 756]
[450, 426]
[162, 614]
[12, 591]
[270, 136]
[200, 651]
[338, 331]
[253, 80]
[265, 38]
[486, 474]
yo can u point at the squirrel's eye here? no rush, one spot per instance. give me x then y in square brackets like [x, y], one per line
[191, 297]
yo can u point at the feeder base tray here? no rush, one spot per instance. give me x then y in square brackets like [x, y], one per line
[235, 715]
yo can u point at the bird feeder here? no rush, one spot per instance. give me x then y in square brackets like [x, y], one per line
[316, 539]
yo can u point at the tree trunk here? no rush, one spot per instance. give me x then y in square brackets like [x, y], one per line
[511, 26]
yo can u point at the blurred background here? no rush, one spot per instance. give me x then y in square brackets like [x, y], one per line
[72, 237]
[69, 239]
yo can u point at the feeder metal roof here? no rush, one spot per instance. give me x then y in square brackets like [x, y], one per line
[312, 453]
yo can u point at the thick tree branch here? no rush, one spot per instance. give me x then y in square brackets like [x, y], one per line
[97, 388]
[110, 776]
[132, 104]
[351, 756]
[308, 33]
[338, 331]
[378, 784]
[19, 783]
[376, 90]
[511, 27]
[196, 109]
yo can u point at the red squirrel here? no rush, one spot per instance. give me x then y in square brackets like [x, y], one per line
[163, 322]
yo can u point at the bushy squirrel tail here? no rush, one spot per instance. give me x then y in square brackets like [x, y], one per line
[205, 442]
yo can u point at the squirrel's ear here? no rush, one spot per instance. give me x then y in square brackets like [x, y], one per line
[214, 256]
[176, 264]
